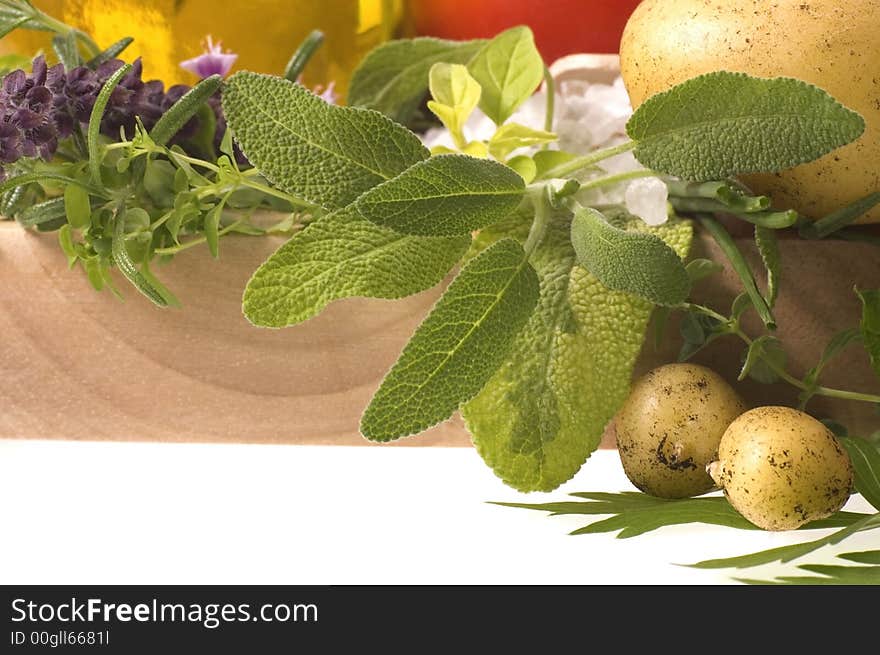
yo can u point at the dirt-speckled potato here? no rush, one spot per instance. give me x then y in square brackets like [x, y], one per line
[830, 43]
[781, 468]
[669, 428]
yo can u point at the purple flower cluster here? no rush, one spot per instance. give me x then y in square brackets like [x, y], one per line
[40, 109]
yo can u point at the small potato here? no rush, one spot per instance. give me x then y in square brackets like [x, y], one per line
[781, 468]
[669, 428]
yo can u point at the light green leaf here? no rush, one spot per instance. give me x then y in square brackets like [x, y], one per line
[77, 207]
[768, 246]
[323, 153]
[456, 95]
[524, 166]
[393, 78]
[508, 138]
[569, 370]
[445, 195]
[509, 69]
[638, 263]
[547, 161]
[793, 551]
[870, 325]
[723, 124]
[458, 346]
[837, 344]
[635, 513]
[826, 575]
[341, 256]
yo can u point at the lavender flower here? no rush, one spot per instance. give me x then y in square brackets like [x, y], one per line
[211, 62]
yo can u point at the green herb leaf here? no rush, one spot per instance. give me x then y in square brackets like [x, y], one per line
[543, 412]
[546, 161]
[65, 47]
[393, 78]
[509, 68]
[741, 267]
[341, 256]
[446, 195]
[700, 269]
[638, 263]
[77, 207]
[111, 52]
[96, 153]
[508, 138]
[764, 357]
[870, 325]
[768, 246]
[827, 575]
[837, 343]
[635, 513]
[326, 154]
[866, 557]
[698, 331]
[524, 166]
[723, 124]
[459, 345]
[865, 458]
[44, 214]
[298, 60]
[184, 109]
[456, 94]
[127, 268]
[839, 219]
[793, 551]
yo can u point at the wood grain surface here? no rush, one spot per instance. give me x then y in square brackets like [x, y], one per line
[77, 364]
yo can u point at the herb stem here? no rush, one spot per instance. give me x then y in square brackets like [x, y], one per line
[550, 107]
[270, 191]
[739, 264]
[194, 242]
[829, 392]
[539, 225]
[611, 180]
[579, 163]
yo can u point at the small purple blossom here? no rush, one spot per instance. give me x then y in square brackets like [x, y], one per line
[212, 62]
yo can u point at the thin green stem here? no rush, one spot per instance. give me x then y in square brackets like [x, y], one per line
[579, 163]
[550, 108]
[270, 191]
[539, 226]
[740, 266]
[611, 180]
[780, 371]
[194, 242]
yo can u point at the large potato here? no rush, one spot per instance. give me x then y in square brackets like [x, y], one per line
[669, 428]
[781, 468]
[833, 44]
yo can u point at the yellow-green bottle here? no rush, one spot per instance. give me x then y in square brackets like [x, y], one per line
[264, 33]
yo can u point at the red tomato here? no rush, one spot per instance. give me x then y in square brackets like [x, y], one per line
[561, 27]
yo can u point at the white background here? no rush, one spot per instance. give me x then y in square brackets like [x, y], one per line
[129, 513]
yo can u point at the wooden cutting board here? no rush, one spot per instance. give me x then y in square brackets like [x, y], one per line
[77, 364]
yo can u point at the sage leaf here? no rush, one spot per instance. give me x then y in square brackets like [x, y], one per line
[325, 154]
[638, 263]
[768, 247]
[544, 410]
[341, 255]
[445, 195]
[870, 325]
[508, 68]
[865, 458]
[723, 124]
[393, 78]
[459, 345]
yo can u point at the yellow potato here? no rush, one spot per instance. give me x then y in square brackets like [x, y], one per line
[781, 468]
[669, 428]
[833, 44]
